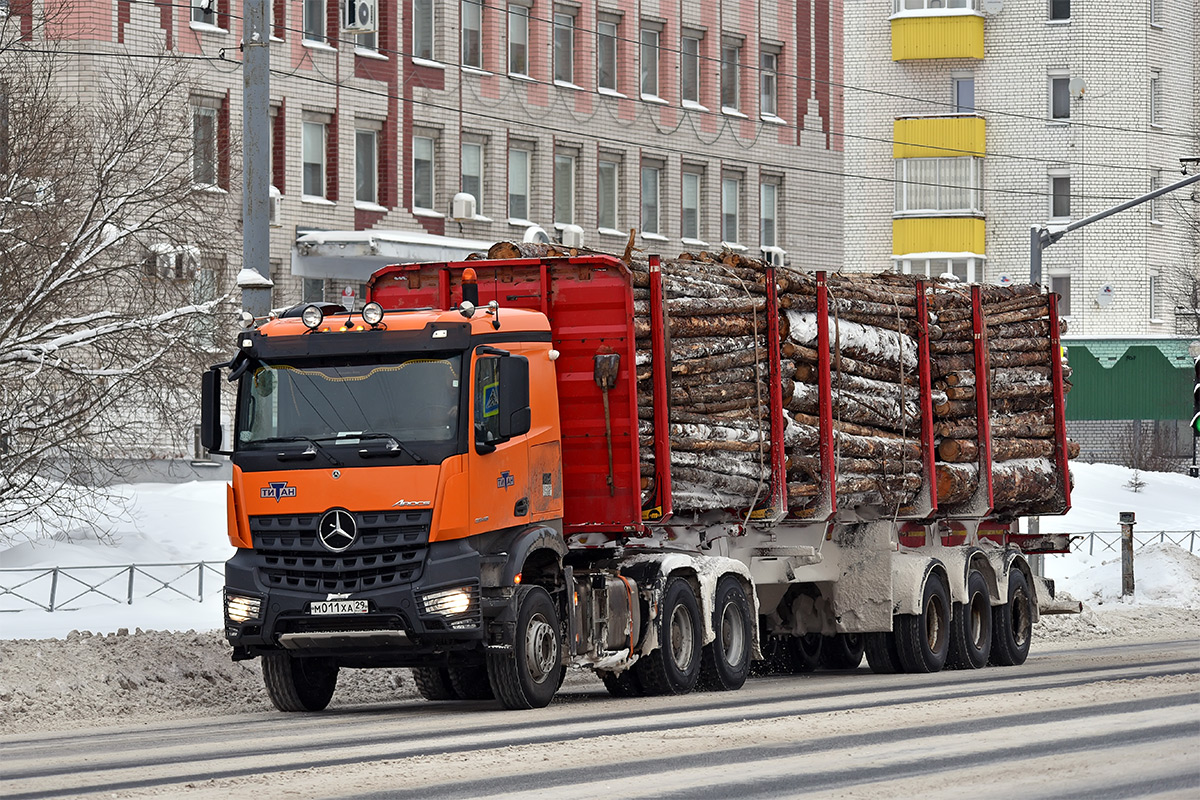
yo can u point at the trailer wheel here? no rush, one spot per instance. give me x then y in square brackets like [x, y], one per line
[842, 651]
[527, 676]
[725, 662]
[470, 682]
[880, 649]
[674, 666]
[923, 640]
[807, 648]
[622, 684]
[299, 684]
[433, 683]
[971, 628]
[1012, 623]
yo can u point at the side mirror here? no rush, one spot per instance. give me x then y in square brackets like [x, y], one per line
[211, 434]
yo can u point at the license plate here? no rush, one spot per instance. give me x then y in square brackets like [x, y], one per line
[338, 607]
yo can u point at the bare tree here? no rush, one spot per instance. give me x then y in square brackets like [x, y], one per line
[1183, 280]
[103, 237]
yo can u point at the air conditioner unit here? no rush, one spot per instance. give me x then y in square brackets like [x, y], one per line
[535, 233]
[358, 16]
[572, 236]
[275, 208]
[774, 256]
[463, 206]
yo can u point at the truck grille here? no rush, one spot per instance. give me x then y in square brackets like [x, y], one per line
[389, 550]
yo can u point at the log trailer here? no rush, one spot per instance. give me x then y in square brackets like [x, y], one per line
[461, 479]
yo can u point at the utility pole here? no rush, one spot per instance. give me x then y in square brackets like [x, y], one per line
[255, 277]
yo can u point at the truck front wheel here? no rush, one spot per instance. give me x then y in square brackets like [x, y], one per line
[674, 666]
[527, 676]
[1012, 623]
[726, 661]
[299, 684]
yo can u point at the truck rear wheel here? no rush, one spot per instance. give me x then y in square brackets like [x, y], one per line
[1012, 623]
[842, 651]
[527, 676]
[971, 628]
[923, 640]
[433, 683]
[299, 684]
[725, 662]
[674, 667]
[470, 682]
[880, 649]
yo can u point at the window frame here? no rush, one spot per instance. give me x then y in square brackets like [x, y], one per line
[463, 173]
[563, 48]
[424, 30]
[1054, 284]
[729, 182]
[471, 23]
[431, 143]
[608, 165]
[901, 7]
[1156, 98]
[972, 262]
[731, 77]
[569, 161]
[649, 56]
[768, 85]
[696, 177]
[655, 229]
[1153, 205]
[1053, 81]
[763, 188]
[314, 31]
[212, 157]
[1053, 179]
[907, 185]
[1154, 290]
[527, 175]
[605, 41]
[518, 22]
[306, 127]
[1054, 10]
[689, 71]
[956, 84]
[1155, 14]
[372, 172]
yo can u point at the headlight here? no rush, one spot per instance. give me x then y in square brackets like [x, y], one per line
[242, 609]
[459, 601]
[312, 317]
[372, 313]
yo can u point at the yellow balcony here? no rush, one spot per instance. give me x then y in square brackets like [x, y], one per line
[938, 137]
[937, 36]
[937, 235]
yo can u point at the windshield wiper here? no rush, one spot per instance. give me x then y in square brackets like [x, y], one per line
[395, 447]
[308, 453]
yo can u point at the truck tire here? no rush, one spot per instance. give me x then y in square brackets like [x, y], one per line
[622, 684]
[299, 684]
[807, 649]
[527, 676]
[1012, 623]
[433, 683]
[470, 682]
[923, 640]
[674, 666]
[725, 662]
[842, 651]
[971, 628]
[880, 650]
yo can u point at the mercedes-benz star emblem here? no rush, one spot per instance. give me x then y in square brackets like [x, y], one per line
[336, 530]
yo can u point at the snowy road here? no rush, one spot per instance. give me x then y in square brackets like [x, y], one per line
[1094, 722]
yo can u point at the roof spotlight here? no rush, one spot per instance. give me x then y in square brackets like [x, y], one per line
[372, 313]
[312, 317]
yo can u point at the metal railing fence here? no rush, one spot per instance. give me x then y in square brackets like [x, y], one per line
[62, 588]
[1102, 542]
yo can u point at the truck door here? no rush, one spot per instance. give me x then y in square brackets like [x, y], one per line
[501, 490]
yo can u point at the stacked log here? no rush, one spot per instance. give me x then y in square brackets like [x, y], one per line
[875, 387]
[1020, 397]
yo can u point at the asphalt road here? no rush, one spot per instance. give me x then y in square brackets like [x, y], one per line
[1096, 722]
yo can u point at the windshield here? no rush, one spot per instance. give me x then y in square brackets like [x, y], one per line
[413, 400]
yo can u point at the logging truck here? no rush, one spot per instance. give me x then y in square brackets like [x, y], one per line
[666, 471]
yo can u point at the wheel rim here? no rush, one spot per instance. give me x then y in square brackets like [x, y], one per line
[1022, 622]
[733, 634]
[979, 608]
[935, 624]
[541, 648]
[683, 642]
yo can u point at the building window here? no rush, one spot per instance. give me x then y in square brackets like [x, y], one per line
[690, 228]
[203, 11]
[472, 173]
[422, 22]
[730, 57]
[423, 175]
[1060, 197]
[564, 190]
[606, 55]
[768, 195]
[1155, 13]
[1154, 317]
[1155, 185]
[518, 184]
[964, 94]
[606, 195]
[518, 40]
[731, 199]
[314, 20]
[1060, 9]
[366, 167]
[472, 34]
[564, 48]
[1060, 97]
[928, 185]
[1156, 98]
[367, 41]
[650, 185]
[313, 290]
[769, 85]
[1061, 286]
[689, 70]
[964, 269]
[204, 146]
[313, 154]
[649, 62]
[931, 5]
